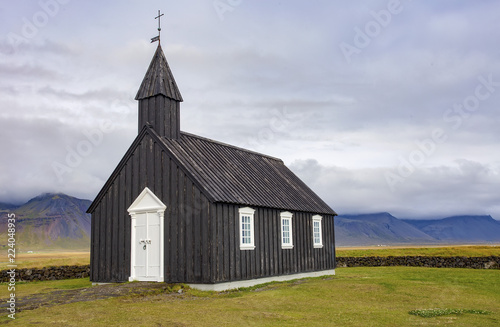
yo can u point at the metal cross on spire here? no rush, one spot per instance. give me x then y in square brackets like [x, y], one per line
[157, 38]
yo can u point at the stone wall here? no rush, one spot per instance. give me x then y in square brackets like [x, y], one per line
[492, 262]
[68, 272]
[47, 273]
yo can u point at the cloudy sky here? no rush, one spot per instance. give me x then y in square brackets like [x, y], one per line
[377, 105]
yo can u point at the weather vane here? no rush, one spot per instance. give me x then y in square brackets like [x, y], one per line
[157, 38]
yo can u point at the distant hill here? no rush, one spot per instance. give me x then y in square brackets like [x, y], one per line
[385, 229]
[55, 221]
[461, 228]
[376, 229]
[7, 206]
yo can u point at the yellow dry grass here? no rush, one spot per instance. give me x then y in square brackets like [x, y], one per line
[46, 259]
[443, 250]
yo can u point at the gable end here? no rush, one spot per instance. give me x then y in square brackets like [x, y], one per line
[146, 130]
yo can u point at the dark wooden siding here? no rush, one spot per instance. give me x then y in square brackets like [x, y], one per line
[268, 258]
[162, 113]
[187, 219]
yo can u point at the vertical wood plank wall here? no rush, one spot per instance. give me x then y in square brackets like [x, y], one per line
[186, 232]
[162, 113]
[268, 258]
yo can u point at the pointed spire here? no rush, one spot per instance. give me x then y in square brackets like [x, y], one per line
[159, 79]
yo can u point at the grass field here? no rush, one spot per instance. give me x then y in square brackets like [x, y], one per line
[28, 288]
[382, 296]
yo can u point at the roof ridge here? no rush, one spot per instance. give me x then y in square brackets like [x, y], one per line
[231, 146]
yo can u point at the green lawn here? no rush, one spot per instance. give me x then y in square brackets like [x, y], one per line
[28, 288]
[382, 296]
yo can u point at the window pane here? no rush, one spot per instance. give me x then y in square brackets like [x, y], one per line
[286, 238]
[245, 230]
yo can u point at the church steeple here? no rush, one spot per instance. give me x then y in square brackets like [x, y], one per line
[159, 98]
[159, 79]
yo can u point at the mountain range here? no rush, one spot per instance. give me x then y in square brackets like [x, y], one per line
[384, 229]
[60, 221]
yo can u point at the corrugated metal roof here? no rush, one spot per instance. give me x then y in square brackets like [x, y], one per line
[159, 79]
[235, 175]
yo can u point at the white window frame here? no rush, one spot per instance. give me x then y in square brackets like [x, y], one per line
[318, 219]
[286, 216]
[247, 212]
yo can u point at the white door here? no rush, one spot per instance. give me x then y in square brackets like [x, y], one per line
[146, 259]
[147, 250]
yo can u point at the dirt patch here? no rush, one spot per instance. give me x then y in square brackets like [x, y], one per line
[98, 292]
[273, 286]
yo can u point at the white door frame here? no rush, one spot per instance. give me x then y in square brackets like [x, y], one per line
[146, 203]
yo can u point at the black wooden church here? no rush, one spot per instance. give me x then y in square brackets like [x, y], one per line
[180, 208]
